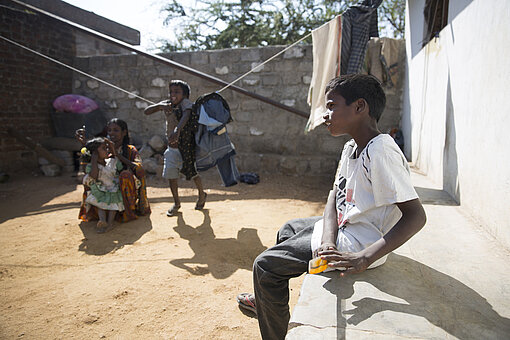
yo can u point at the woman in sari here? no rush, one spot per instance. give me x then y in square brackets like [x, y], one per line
[131, 178]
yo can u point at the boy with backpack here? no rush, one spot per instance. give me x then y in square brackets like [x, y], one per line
[181, 126]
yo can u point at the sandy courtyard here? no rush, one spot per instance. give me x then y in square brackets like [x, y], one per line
[153, 278]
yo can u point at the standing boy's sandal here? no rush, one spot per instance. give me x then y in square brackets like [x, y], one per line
[245, 301]
[173, 210]
[200, 205]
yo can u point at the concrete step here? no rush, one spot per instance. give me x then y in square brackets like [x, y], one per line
[449, 281]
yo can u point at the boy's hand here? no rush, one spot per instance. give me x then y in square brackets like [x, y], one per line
[323, 247]
[351, 262]
[165, 105]
[173, 139]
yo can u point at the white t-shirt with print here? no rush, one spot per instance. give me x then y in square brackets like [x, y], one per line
[368, 188]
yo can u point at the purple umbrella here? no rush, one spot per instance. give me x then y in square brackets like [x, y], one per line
[74, 103]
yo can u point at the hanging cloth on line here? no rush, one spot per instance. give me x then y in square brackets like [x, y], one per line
[359, 23]
[326, 42]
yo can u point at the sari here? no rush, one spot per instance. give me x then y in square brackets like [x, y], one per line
[134, 192]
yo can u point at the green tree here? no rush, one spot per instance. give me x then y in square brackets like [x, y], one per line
[213, 24]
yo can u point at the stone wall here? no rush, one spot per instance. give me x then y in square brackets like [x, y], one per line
[29, 83]
[266, 138]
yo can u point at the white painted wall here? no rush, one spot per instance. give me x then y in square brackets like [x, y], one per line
[456, 118]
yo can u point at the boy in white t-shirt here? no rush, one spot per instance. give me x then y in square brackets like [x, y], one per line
[372, 209]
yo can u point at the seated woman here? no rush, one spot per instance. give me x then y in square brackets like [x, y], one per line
[131, 178]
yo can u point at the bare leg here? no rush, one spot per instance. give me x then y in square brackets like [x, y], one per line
[111, 217]
[202, 195]
[102, 215]
[101, 225]
[174, 188]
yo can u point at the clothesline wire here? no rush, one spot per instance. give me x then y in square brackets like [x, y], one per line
[134, 94]
[265, 62]
[76, 70]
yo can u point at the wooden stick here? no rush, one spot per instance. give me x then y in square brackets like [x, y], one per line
[38, 148]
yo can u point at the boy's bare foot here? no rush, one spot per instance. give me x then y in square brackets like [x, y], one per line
[173, 210]
[101, 227]
[201, 202]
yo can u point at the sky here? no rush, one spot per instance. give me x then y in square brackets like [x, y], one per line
[142, 15]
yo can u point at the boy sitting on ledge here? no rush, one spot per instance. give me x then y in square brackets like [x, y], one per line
[372, 210]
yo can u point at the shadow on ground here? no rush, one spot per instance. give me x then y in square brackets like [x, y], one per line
[444, 301]
[123, 234]
[220, 257]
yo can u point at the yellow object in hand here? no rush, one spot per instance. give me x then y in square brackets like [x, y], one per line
[317, 265]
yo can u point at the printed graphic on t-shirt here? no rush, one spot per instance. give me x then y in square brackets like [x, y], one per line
[341, 199]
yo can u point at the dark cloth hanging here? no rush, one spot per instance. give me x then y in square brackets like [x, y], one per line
[359, 24]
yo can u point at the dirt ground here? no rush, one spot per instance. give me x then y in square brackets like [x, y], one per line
[153, 278]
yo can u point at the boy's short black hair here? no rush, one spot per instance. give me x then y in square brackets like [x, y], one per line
[182, 84]
[355, 86]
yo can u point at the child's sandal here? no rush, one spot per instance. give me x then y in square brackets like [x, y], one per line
[173, 211]
[201, 203]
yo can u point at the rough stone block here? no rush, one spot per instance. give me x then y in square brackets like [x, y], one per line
[150, 165]
[141, 104]
[43, 161]
[158, 82]
[221, 70]
[243, 116]
[153, 93]
[250, 105]
[112, 104]
[146, 152]
[199, 58]
[128, 60]
[289, 102]
[270, 79]
[144, 61]
[68, 169]
[51, 170]
[288, 165]
[270, 163]
[250, 54]
[131, 96]
[178, 57]
[159, 158]
[92, 84]
[257, 67]
[157, 143]
[256, 131]
[252, 162]
[164, 71]
[294, 52]
[251, 81]
[302, 167]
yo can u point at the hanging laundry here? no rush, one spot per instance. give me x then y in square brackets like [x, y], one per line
[359, 23]
[214, 147]
[390, 57]
[373, 64]
[326, 65]
[382, 59]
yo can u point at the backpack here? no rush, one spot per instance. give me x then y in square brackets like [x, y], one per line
[215, 107]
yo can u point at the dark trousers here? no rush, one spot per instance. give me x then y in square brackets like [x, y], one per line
[271, 273]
